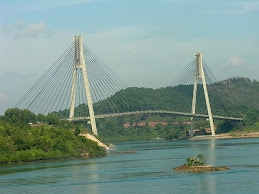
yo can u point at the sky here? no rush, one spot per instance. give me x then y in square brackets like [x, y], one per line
[147, 43]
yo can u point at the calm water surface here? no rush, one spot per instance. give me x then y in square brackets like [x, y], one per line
[150, 170]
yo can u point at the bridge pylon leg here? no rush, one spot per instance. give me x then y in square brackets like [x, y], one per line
[193, 105]
[199, 74]
[79, 63]
[73, 95]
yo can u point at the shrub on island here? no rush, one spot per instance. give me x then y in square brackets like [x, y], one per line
[197, 164]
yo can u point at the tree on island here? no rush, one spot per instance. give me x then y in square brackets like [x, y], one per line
[196, 161]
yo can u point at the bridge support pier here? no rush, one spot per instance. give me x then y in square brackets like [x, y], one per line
[199, 74]
[79, 63]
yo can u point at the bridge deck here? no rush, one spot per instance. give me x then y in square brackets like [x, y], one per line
[155, 112]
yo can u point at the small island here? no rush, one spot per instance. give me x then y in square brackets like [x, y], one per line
[197, 164]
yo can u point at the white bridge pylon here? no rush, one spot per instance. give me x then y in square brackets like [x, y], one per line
[79, 63]
[199, 74]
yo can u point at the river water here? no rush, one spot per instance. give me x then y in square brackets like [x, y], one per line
[149, 170]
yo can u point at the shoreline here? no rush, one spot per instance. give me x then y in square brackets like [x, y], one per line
[53, 159]
[231, 135]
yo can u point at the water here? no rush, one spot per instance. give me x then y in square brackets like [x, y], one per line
[150, 170]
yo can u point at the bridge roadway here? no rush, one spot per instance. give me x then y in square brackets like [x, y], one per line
[155, 112]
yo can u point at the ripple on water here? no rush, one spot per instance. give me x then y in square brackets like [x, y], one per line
[150, 170]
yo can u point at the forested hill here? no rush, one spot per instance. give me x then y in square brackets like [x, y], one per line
[231, 97]
[238, 93]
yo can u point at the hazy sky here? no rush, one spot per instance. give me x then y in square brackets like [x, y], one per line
[145, 42]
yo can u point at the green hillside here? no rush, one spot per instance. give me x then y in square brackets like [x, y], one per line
[231, 97]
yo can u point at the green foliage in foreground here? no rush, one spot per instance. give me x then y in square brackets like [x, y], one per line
[21, 142]
[196, 161]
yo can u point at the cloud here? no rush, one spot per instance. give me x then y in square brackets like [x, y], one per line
[22, 29]
[243, 7]
[235, 61]
[3, 98]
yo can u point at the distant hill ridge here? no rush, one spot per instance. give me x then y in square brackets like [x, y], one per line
[237, 79]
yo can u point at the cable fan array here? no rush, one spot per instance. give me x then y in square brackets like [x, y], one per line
[48, 93]
[52, 92]
[186, 80]
[186, 77]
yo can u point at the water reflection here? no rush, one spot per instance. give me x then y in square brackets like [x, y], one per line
[148, 171]
[211, 154]
[93, 167]
[207, 182]
[212, 160]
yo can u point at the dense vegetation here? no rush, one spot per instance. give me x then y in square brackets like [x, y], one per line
[112, 129]
[56, 139]
[196, 161]
[233, 97]
[168, 127]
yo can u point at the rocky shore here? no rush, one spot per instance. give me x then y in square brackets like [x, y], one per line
[231, 135]
[205, 168]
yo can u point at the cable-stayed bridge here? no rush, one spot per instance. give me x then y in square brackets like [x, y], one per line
[80, 86]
